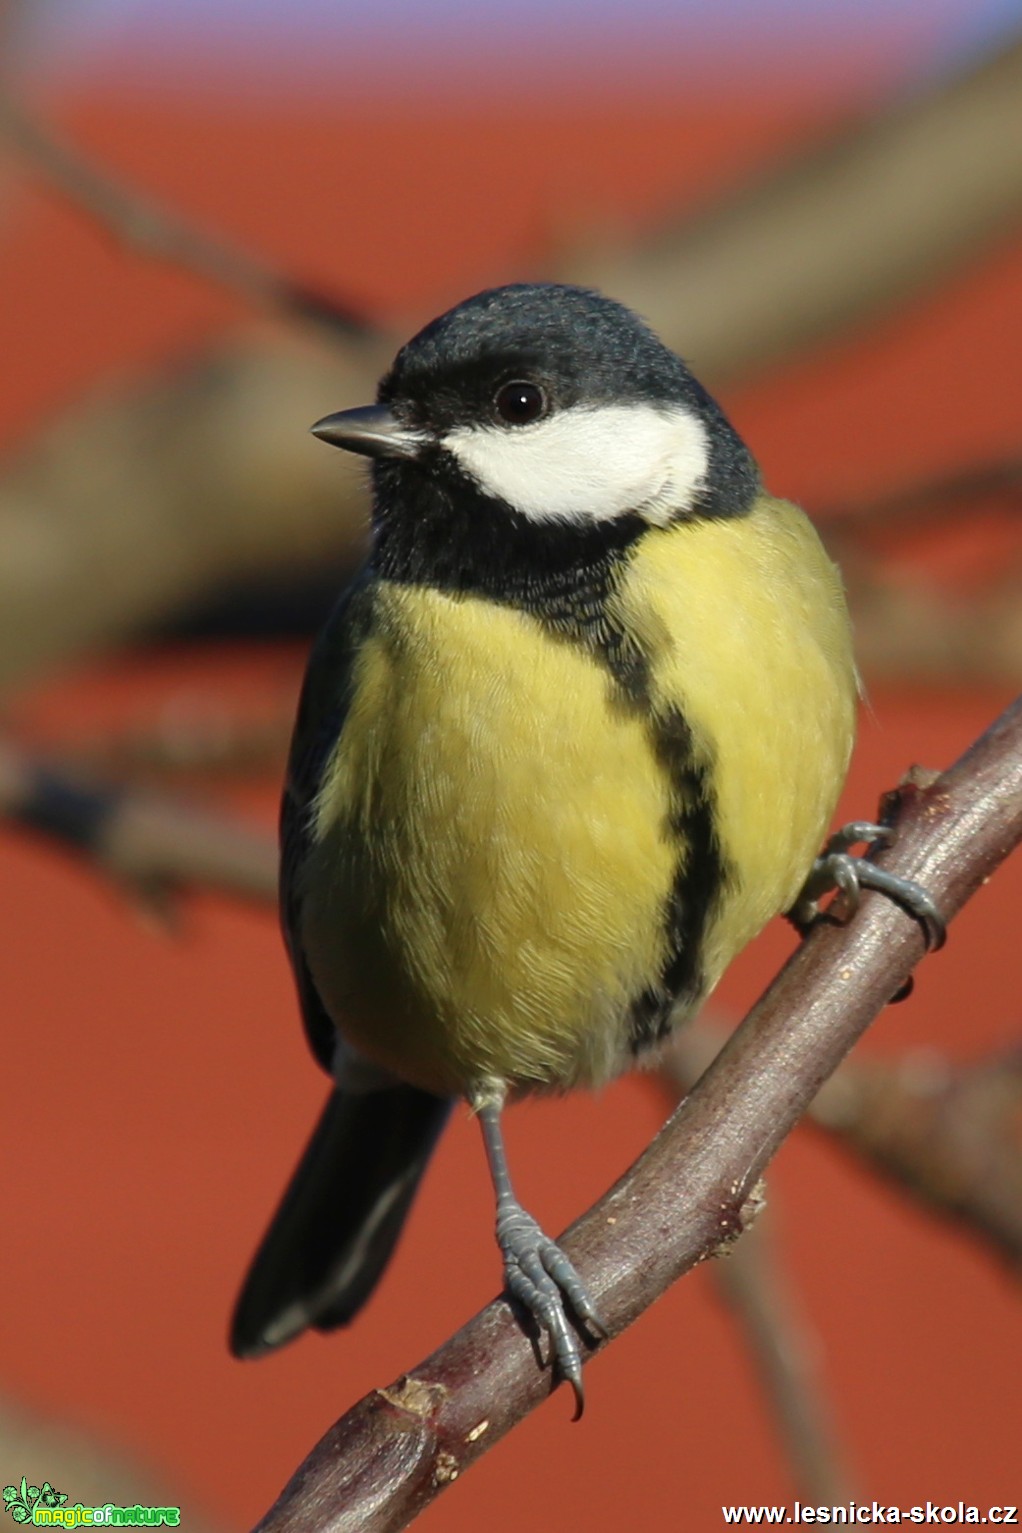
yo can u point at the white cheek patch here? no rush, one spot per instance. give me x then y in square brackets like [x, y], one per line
[590, 464]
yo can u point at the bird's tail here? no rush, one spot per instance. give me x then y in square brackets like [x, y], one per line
[340, 1217]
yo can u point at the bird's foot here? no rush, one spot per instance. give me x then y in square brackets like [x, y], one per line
[838, 868]
[541, 1278]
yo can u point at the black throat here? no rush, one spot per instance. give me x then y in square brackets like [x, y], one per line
[433, 526]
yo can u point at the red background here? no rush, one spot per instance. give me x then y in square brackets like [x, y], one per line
[156, 1092]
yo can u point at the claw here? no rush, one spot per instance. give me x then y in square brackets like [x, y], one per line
[838, 868]
[575, 1380]
[543, 1280]
[538, 1273]
[570, 1284]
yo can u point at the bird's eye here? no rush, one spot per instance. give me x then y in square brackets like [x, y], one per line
[518, 404]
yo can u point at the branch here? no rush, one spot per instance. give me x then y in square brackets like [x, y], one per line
[884, 208]
[925, 504]
[915, 631]
[15, 20]
[689, 1193]
[187, 484]
[153, 844]
[950, 1137]
[143, 225]
[752, 1283]
[81, 1461]
[834, 235]
[947, 1137]
[187, 741]
[147, 502]
[919, 614]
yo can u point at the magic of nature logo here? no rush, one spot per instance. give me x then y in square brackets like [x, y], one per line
[44, 1506]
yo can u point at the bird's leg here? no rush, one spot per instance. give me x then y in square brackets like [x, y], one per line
[838, 868]
[538, 1273]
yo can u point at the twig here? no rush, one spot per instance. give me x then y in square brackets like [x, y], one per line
[144, 505]
[144, 225]
[943, 1135]
[926, 503]
[838, 233]
[153, 844]
[183, 744]
[915, 630]
[950, 1137]
[754, 1286]
[689, 1193]
[947, 1137]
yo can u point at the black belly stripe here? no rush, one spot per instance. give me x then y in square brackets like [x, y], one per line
[699, 881]
[702, 872]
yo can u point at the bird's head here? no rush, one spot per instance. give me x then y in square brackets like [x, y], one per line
[548, 412]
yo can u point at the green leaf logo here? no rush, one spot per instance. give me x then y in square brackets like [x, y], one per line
[20, 1500]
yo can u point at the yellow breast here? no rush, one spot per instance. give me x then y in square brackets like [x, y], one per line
[747, 623]
[492, 866]
[496, 832]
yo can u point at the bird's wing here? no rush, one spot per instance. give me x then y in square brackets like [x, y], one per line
[322, 707]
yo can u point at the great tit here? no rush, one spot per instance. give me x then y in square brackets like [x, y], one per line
[570, 739]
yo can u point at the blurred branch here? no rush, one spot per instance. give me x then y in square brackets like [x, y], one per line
[837, 234]
[138, 504]
[190, 741]
[15, 18]
[690, 1192]
[754, 1286]
[152, 844]
[143, 503]
[841, 231]
[912, 621]
[145, 226]
[952, 1137]
[948, 1137]
[927, 503]
[752, 1283]
[912, 627]
[14, 22]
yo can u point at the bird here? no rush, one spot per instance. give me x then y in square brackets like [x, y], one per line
[571, 737]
